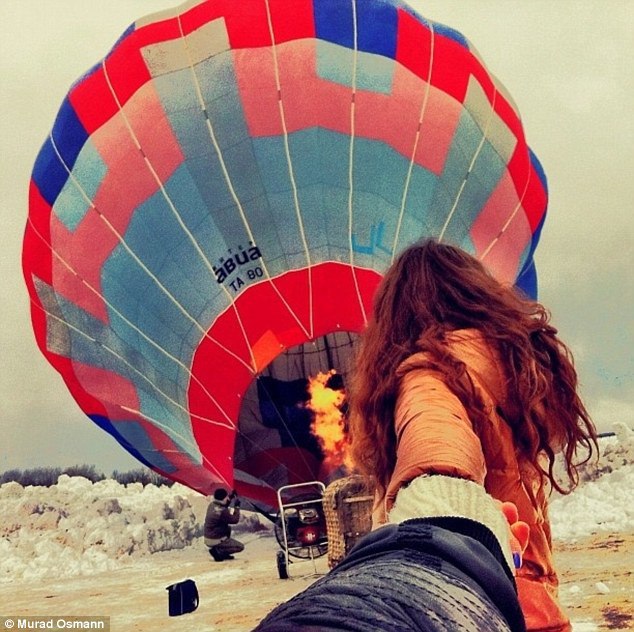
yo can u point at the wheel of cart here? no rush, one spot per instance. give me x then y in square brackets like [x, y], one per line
[300, 528]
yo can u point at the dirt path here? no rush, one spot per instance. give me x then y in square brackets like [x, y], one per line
[597, 581]
[235, 595]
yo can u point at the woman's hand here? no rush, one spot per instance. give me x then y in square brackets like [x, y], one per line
[520, 532]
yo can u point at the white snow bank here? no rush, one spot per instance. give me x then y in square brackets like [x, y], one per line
[78, 527]
[602, 503]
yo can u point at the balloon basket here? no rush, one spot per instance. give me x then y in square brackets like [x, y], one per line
[347, 506]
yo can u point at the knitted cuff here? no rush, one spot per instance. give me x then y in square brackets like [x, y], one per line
[446, 496]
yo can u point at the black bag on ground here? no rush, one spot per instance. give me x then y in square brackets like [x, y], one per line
[182, 597]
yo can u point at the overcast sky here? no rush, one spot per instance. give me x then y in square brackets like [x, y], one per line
[567, 64]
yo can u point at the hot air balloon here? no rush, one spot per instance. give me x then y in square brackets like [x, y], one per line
[219, 197]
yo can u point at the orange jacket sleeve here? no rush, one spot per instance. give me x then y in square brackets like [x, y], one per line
[433, 434]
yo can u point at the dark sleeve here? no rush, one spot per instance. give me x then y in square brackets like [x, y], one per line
[231, 516]
[412, 577]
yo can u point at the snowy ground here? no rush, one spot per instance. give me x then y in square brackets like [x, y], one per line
[87, 549]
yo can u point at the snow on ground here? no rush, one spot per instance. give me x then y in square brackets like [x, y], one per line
[603, 501]
[77, 528]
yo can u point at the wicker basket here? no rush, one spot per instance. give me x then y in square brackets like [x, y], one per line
[347, 505]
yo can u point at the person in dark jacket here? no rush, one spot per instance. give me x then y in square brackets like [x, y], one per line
[223, 511]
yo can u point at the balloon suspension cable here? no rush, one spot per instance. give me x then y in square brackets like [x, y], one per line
[353, 94]
[421, 118]
[513, 213]
[472, 163]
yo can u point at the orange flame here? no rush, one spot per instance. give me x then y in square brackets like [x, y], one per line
[328, 424]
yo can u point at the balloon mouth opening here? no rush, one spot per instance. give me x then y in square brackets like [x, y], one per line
[292, 421]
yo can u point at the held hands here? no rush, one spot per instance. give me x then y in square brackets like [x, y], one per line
[441, 496]
[519, 532]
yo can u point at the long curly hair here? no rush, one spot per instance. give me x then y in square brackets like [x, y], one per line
[433, 289]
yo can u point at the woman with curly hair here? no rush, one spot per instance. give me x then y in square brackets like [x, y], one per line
[462, 395]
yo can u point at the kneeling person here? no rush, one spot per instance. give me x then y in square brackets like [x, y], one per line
[223, 511]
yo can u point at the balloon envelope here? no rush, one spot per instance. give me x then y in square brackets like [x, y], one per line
[219, 197]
